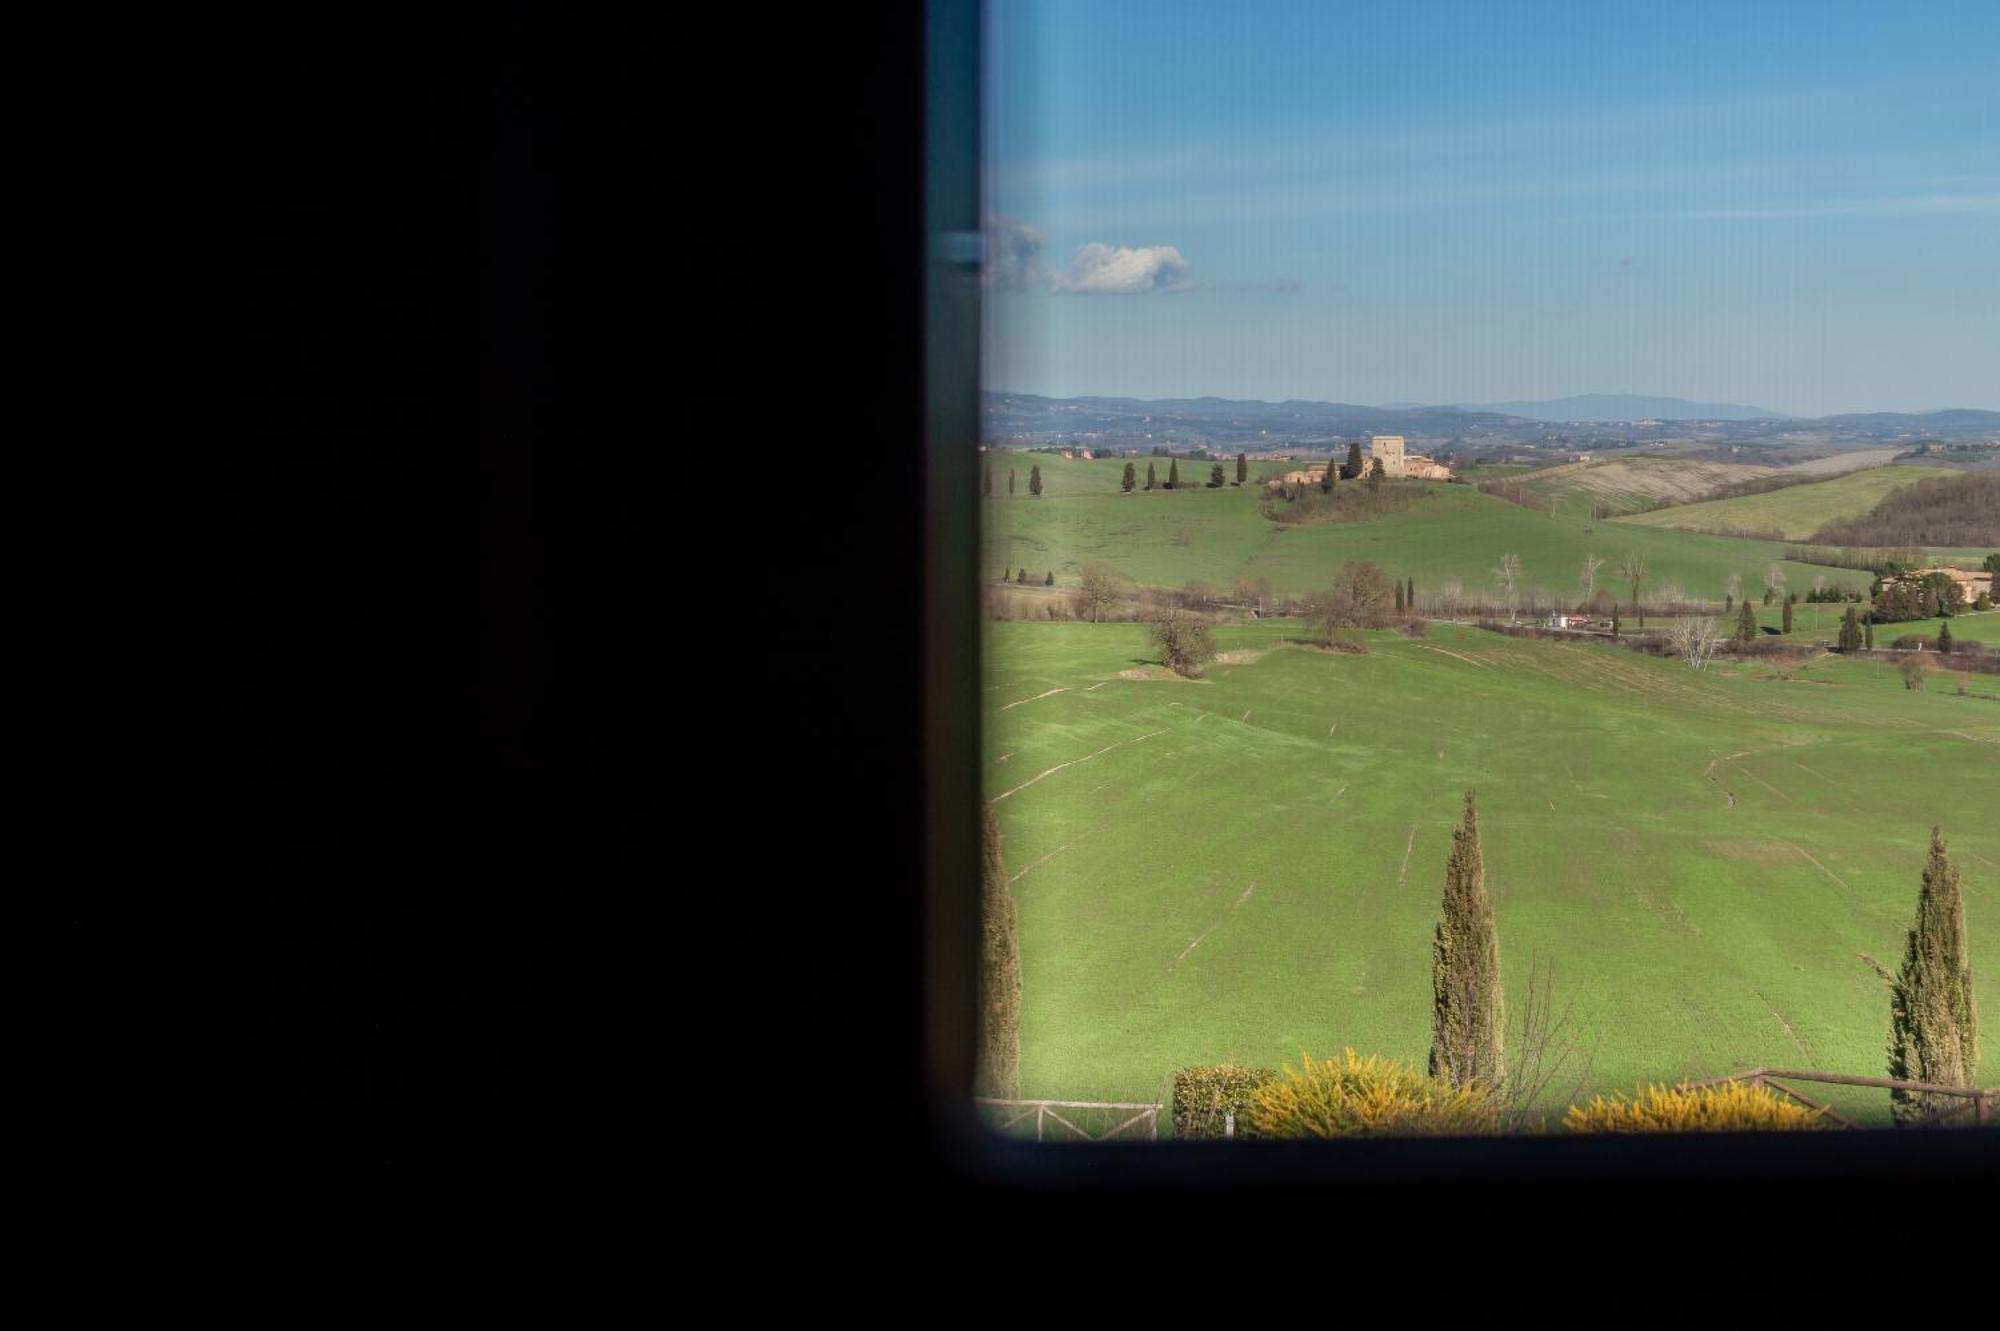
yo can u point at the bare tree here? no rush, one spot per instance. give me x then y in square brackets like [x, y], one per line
[1547, 1048]
[1734, 589]
[1183, 641]
[1774, 581]
[1695, 640]
[1358, 599]
[1587, 583]
[1098, 594]
[1507, 575]
[1453, 592]
[1634, 571]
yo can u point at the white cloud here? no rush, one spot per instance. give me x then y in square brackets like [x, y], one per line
[1122, 270]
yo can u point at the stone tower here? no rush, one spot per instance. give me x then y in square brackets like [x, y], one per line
[1389, 448]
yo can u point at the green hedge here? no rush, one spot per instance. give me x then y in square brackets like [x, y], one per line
[1204, 1096]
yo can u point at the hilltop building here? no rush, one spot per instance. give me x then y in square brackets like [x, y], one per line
[1389, 449]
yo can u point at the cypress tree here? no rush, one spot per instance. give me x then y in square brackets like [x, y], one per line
[1410, 594]
[1332, 473]
[999, 973]
[1129, 480]
[1353, 467]
[1022, 576]
[1035, 481]
[1868, 630]
[1944, 638]
[1173, 474]
[1375, 474]
[1242, 468]
[1466, 1009]
[1728, 602]
[1614, 621]
[1152, 479]
[1216, 480]
[1399, 598]
[1850, 630]
[1788, 616]
[1050, 581]
[1746, 624]
[1933, 1027]
[1010, 480]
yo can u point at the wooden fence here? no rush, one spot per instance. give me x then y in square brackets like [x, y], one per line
[1047, 1111]
[1980, 1101]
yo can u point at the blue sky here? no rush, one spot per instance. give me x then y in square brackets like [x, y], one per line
[1792, 206]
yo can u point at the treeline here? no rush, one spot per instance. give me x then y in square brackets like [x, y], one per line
[1867, 559]
[1343, 503]
[1503, 487]
[1947, 510]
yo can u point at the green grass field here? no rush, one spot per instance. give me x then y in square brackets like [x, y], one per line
[1249, 867]
[1798, 511]
[1167, 538]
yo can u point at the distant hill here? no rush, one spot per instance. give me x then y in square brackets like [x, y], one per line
[1961, 417]
[1627, 407]
[1129, 421]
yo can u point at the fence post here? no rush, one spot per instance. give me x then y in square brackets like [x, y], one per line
[1229, 1123]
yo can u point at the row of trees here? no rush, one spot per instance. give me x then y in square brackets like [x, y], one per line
[1034, 480]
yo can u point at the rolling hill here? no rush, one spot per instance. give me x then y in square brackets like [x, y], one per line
[1796, 511]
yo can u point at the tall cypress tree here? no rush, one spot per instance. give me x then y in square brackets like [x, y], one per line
[1467, 1016]
[1129, 480]
[1944, 638]
[1035, 481]
[1399, 598]
[1410, 594]
[1332, 473]
[1010, 480]
[1353, 467]
[999, 972]
[1242, 468]
[1850, 630]
[1788, 616]
[1173, 474]
[1746, 624]
[1933, 1027]
[1152, 478]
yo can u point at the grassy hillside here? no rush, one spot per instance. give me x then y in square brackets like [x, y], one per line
[1798, 511]
[1630, 484]
[1167, 538]
[1249, 867]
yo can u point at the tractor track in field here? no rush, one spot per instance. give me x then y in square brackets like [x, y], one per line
[1765, 784]
[1217, 925]
[1790, 1034]
[1408, 846]
[1072, 763]
[1037, 698]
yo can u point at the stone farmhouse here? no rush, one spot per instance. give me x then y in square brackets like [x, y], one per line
[1389, 450]
[1973, 583]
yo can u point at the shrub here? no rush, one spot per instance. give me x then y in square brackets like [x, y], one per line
[1916, 670]
[1204, 1096]
[1371, 1096]
[1415, 628]
[1729, 1107]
